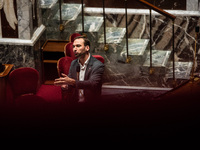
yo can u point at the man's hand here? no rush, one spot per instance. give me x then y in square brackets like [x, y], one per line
[64, 80]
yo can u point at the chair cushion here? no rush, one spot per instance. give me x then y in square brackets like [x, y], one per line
[50, 93]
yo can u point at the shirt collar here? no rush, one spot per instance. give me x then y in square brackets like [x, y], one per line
[86, 62]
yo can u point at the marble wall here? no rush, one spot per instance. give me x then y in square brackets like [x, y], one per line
[25, 51]
[184, 31]
[162, 39]
[193, 5]
[119, 73]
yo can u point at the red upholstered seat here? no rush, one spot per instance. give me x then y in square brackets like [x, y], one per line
[26, 90]
[68, 50]
[23, 81]
[50, 93]
[63, 65]
[99, 57]
[72, 36]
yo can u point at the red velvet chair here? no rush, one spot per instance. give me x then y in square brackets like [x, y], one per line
[68, 50]
[24, 83]
[23, 80]
[99, 57]
[63, 65]
[51, 93]
[72, 36]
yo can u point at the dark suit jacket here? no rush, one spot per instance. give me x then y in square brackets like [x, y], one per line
[92, 83]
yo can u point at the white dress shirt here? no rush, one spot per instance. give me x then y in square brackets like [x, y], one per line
[81, 78]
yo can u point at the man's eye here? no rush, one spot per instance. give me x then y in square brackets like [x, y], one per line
[76, 46]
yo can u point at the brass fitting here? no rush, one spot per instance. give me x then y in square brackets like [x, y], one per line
[61, 27]
[151, 70]
[106, 47]
[84, 35]
[128, 59]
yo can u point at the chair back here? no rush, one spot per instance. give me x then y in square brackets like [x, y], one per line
[63, 65]
[68, 50]
[23, 80]
[99, 57]
[72, 36]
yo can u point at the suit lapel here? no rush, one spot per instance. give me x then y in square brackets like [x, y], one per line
[89, 67]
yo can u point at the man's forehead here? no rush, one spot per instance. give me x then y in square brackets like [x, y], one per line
[78, 41]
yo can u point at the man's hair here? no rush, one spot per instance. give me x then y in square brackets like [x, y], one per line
[86, 40]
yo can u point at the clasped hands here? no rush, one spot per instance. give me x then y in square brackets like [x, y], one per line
[64, 81]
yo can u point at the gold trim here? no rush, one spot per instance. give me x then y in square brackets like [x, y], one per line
[8, 68]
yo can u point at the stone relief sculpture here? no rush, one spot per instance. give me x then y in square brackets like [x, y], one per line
[8, 7]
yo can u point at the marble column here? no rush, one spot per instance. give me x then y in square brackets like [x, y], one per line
[192, 5]
[25, 24]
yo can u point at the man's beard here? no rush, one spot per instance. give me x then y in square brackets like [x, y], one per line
[78, 55]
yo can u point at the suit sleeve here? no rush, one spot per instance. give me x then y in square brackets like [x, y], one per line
[72, 73]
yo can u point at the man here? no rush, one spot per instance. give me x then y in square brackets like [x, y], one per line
[84, 80]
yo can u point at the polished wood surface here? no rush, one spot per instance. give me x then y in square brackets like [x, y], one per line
[8, 68]
[54, 45]
[52, 50]
[150, 6]
[3, 82]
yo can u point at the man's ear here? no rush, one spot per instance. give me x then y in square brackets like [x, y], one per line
[87, 48]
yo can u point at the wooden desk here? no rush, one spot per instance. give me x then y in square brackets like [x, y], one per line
[52, 51]
[3, 82]
[54, 45]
